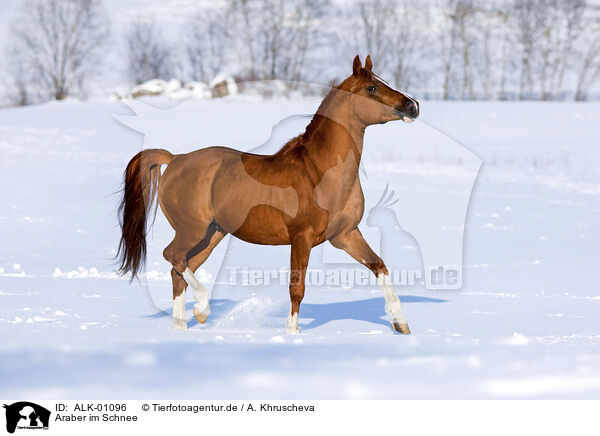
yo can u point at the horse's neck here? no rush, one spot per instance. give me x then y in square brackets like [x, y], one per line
[334, 137]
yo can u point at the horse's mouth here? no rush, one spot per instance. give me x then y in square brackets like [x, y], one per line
[402, 115]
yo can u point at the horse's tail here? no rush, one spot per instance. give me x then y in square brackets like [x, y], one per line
[141, 189]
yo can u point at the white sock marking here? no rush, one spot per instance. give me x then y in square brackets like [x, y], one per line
[200, 293]
[292, 323]
[179, 321]
[393, 307]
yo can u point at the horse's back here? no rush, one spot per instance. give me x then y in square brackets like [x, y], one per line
[220, 184]
[185, 186]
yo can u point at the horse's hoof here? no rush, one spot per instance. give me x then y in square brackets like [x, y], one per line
[179, 324]
[201, 316]
[401, 327]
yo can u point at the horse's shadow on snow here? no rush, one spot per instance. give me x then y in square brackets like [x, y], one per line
[218, 308]
[369, 310]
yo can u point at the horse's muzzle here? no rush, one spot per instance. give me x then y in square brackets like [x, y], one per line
[409, 110]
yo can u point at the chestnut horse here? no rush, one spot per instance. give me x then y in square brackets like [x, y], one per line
[305, 194]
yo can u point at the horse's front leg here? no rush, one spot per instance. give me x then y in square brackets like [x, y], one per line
[301, 246]
[354, 244]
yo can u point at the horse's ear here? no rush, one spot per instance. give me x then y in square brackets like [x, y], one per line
[368, 63]
[356, 66]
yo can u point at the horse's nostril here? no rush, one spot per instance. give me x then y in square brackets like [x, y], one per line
[411, 108]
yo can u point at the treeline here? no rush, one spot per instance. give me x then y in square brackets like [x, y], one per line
[445, 49]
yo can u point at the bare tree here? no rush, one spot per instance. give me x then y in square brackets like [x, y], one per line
[572, 12]
[463, 12]
[485, 61]
[206, 43]
[377, 23]
[306, 37]
[410, 46]
[448, 43]
[149, 56]
[276, 37]
[588, 69]
[57, 45]
[545, 29]
[271, 36]
[394, 34]
[243, 13]
[547, 21]
[528, 16]
[558, 22]
[507, 47]
[495, 49]
[468, 49]
[19, 89]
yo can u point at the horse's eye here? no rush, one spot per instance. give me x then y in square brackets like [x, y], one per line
[371, 88]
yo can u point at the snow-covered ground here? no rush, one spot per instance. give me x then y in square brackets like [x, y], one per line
[526, 323]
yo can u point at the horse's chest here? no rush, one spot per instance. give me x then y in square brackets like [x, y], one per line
[337, 184]
[344, 202]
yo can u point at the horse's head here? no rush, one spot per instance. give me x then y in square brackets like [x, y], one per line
[374, 102]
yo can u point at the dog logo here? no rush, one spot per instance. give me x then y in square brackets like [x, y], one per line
[26, 415]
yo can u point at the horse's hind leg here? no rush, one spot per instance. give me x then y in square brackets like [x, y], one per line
[186, 258]
[196, 257]
[179, 285]
[186, 253]
[175, 254]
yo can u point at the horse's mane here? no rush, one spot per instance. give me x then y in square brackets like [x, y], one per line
[349, 85]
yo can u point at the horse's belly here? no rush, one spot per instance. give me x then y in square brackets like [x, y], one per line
[263, 225]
